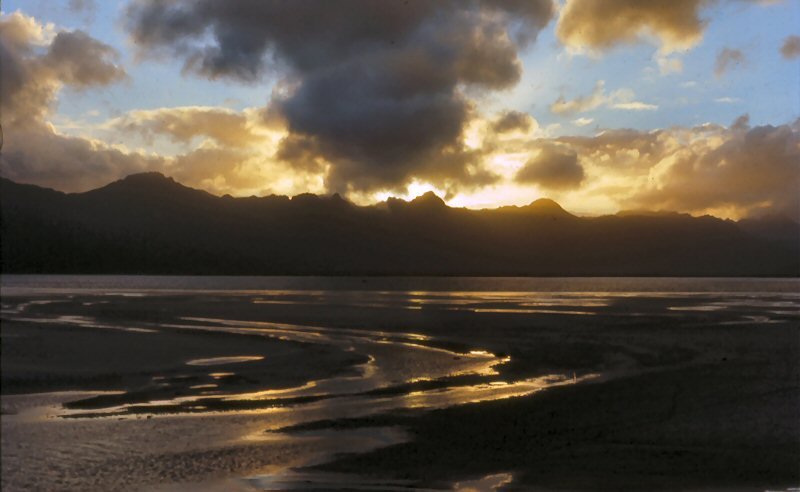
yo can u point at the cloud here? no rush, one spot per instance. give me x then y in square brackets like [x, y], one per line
[582, 103]
[38, 155]
[514, 120]
[791, 47]
[84, 8]
[80, 6]
[374, 90]
[751, 172]
[37, 63]
[668, 65]
[582, 121]
[555, 167]
[81, 61]
[599, 25]
[727, 100]
[741, 123]
[728, 59]
[620, 99]
[730, 172]
[635, 106]
[183, 124]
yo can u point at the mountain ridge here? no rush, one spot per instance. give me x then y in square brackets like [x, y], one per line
[150, 223]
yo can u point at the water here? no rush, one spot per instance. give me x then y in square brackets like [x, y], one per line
[199, 379]
[410, 284]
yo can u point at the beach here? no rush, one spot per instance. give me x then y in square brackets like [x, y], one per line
[398, 384]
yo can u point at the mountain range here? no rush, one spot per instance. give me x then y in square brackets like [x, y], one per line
[149, 224]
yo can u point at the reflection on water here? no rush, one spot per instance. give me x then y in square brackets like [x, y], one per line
[393, 360]
[205, 399]
[139, 283]
[219, 361]
[309, 480]
[485, 484]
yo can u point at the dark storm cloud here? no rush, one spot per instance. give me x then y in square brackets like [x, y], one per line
[555, 167]
[376, 86]
[512, 120]
[82, 61]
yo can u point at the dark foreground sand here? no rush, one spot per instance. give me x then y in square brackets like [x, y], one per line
[697, 392]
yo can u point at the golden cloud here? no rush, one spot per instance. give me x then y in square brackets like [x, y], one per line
[598, 25]
[183, 124]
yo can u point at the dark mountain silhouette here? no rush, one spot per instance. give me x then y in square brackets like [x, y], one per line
[148, 223]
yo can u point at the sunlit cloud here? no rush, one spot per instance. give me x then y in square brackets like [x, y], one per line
[598, 25]
[443, 109]
[183, 124]
[620, 99]
[38, 61]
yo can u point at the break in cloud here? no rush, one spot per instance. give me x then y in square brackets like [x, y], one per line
[727, 59]
[376, 88]
[37, 63]
[620, 99]
[365, 107]
[791, 47]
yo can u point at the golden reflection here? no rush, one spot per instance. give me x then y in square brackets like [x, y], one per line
[485, 484]
[219, 361]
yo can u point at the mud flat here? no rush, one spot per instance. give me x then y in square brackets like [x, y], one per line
[401, 389]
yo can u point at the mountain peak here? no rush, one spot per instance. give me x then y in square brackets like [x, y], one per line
[546, 206]
[152, 177]
[429, 199]
[148, 183]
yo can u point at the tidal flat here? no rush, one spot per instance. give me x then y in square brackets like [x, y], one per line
[214, 383]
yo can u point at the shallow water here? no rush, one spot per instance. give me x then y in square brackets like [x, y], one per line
[134, 284]
[427, 343]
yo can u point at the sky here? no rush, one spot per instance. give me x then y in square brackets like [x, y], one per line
[603, 105]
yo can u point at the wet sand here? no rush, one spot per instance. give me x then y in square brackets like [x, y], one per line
[428, 390]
